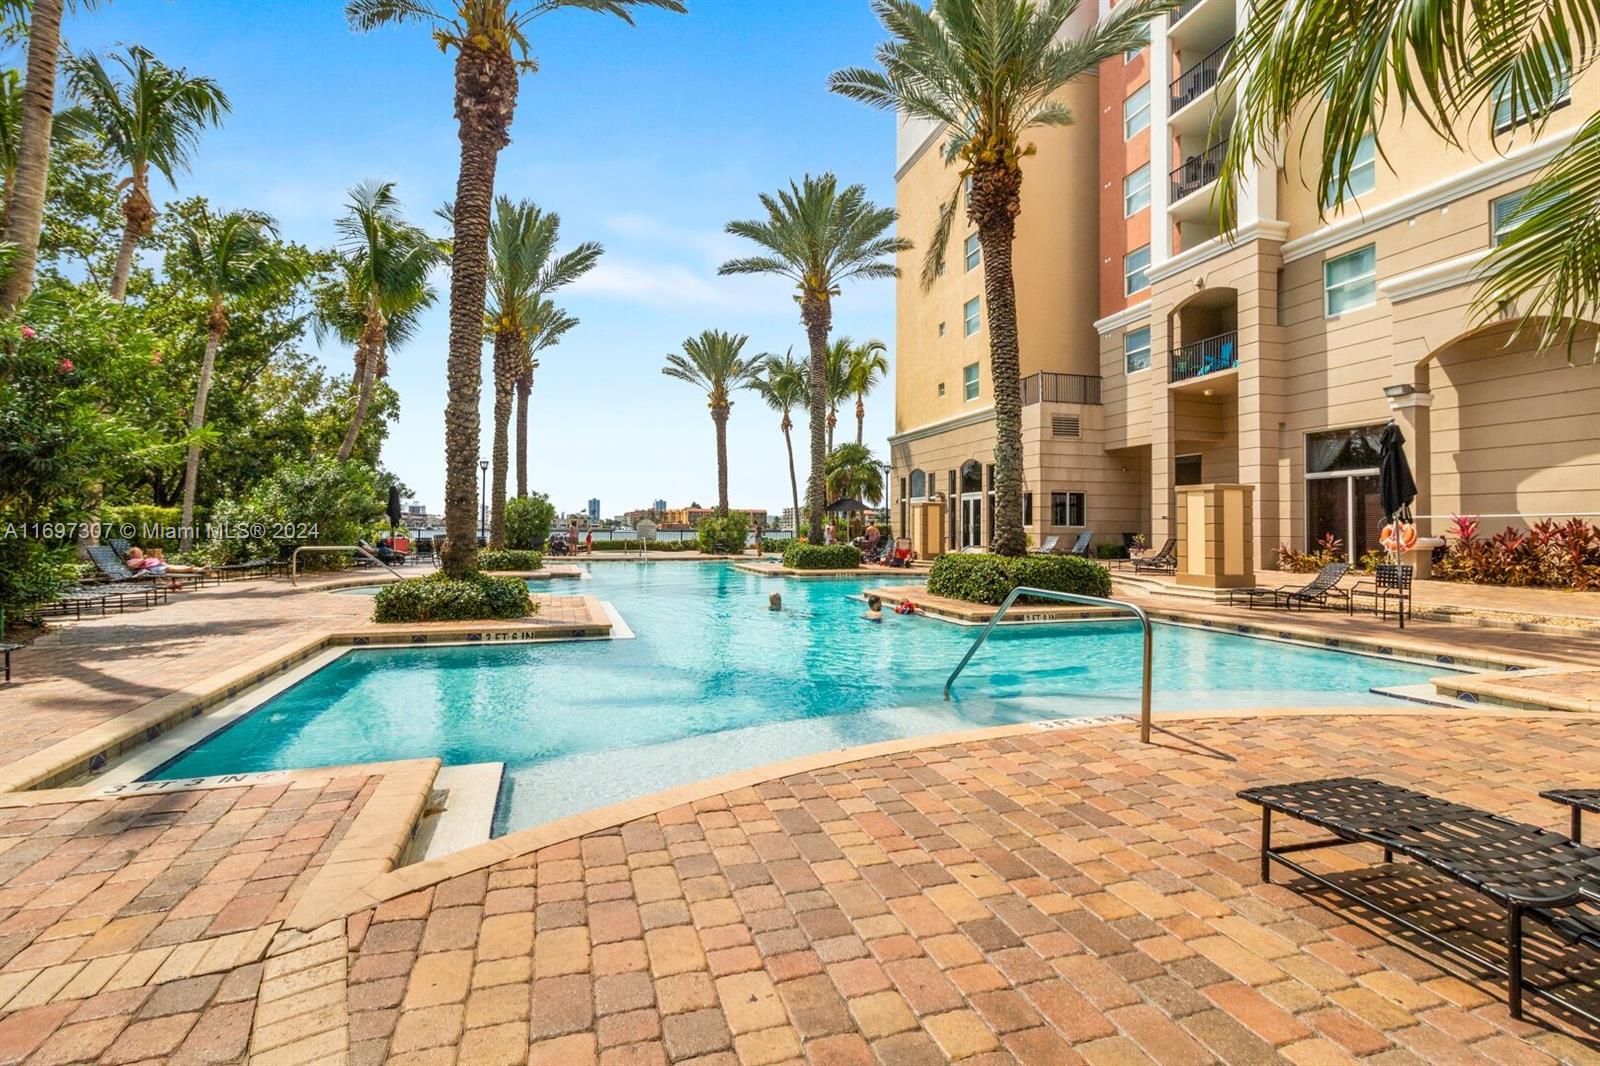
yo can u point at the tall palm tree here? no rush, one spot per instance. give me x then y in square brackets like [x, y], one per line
[781, 382]
[987, 70]
[836, 382]
[712, 362]
[25, 205]
[67, 123]
[523, 269]
[228, 257]
[869, 365]
[819, 236]
[385, 263]
[550, 324]
[1442, 63]
[854, 471]
[153, 117]
[490, 39]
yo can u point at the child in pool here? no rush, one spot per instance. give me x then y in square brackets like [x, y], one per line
[874, 609]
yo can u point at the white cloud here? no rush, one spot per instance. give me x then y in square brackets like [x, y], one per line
[665, 285]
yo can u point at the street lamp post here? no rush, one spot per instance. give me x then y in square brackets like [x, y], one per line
[483, 502]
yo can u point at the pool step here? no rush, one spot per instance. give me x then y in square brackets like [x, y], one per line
[460, 812]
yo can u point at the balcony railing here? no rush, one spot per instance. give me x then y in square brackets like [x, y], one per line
[1206, 356]
[1060, 388]
[1198, 171]
[1198, 79]
[1182, 10]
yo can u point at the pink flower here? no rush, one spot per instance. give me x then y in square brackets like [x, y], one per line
[65, 366]
[28, 333]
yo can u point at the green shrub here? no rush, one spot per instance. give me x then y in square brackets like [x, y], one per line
[441, 598]
[1110, 551]
[320, 501]
[655, 545]
[990, 578]
[509, 559]
[144, 525]
[723, 534]
[528, 521]
[801, 556]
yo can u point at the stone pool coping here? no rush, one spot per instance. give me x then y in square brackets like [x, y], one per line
[779, 570]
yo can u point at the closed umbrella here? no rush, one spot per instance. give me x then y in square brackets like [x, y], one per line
[1396, 487]
[394, 509]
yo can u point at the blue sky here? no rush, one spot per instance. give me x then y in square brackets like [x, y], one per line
[646, 139]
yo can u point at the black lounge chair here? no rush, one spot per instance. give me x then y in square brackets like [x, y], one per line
[1163, 561]
[6, 650]
[113, 569]
[77, 599]
[1530, 871]
[1314, 593]
[1391, 581]
[1580, 800]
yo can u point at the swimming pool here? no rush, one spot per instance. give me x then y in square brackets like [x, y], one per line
[715, 682]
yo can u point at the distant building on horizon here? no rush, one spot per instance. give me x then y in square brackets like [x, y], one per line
[594, 509]
[659, 506]
[689, 517]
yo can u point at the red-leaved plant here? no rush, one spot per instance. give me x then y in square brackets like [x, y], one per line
[1546, 555]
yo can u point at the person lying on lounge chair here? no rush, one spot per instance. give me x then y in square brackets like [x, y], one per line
[155, 562]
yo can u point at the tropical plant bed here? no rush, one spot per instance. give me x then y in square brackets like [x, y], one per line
[509, 559]
[801, 556]
[991, 578]
[441, 598]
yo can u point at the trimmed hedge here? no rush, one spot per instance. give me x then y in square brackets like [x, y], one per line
[441, 598]
[654, 545]
[723, 534]
[509, 559]
[801, 556]
[990, 578]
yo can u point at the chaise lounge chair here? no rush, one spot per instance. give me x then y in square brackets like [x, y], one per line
[1528, 870]
[1081, 545]
[1049, 546]
[113, 570]
[1163, 561]
[1315, 593]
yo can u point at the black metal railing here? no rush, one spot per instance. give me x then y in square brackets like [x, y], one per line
[1199, 79]
[1060, 388]
[1182, 10]
[1206, 356]
[1197, 171]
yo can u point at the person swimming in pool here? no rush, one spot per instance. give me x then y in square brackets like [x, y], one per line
[774, 602]
[874, 609]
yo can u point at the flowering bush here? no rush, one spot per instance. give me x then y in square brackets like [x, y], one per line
[1330, 549]
[1547, 555]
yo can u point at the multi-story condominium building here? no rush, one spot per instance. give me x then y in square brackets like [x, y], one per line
[1158, 352]
[689, 517]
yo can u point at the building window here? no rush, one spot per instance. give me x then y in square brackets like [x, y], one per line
[1363, 174]
[973, 252]
[1512, 109]
[941, 388]
[969, 381]
[1135, 270]
[1130, 55]
[1136, 111]
[1136, 191]
[1342, 496]
[970, 317]
[1066, 508]
[1505, 213]
[919, 484]
[1350, 281]
[941, 329]
[1186, 470]
[1027, 508]
[1136, 349]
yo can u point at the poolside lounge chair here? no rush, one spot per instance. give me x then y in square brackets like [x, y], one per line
[1163, 561]
[6, 650]
[1391, 581]
[1049, 545]
[113, 570]
[1528, 870]
[1081, 545]
[1314, 593]
[76, 599]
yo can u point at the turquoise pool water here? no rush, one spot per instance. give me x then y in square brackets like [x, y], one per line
[714, 682]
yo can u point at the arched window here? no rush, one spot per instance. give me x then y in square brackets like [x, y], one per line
[919, 484]
[971, 476]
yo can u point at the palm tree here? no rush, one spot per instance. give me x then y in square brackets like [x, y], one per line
[836, 382]
[987, 70]
[385, 264]
[491, 45]
[523, 268]
[550, 323]
[227, 257]
[869, 365]
[782, 384]
[819, 237]
[25, 205]
[1442, 63]
[712, 362]
[67, 123]
[153, 118]
[853, 471]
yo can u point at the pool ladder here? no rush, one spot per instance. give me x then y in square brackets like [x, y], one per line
[1071, 597]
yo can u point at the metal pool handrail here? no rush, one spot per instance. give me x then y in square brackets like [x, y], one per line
[294, 557]
[1071, 597]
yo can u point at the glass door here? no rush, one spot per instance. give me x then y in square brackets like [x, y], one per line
[971, 521]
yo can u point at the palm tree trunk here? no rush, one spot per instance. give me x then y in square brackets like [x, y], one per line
[524, 388]
[25, 213]
[139, 216]
[833, 420]
[369, 354]
[486, 96]
[817, 315]
[794, 485]
[504, 394]
[191, 470]
[996, 192]
[719, 415]
[861, 418]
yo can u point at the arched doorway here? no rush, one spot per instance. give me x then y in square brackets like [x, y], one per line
[970, 502]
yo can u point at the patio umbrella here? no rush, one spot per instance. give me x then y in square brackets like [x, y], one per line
[848, 505]
[394, 509]
[1396, 487]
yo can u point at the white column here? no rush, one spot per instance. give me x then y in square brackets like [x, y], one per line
[1160, 141]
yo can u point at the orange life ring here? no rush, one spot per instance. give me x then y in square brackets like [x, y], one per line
[1398, 537]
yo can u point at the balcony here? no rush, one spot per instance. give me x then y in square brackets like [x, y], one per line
[1060, 388]
[1199, 79]
[1177, 13]
[1198, 171]
[1206, 356]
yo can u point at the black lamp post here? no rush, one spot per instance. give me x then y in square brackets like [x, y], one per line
[483, 502]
